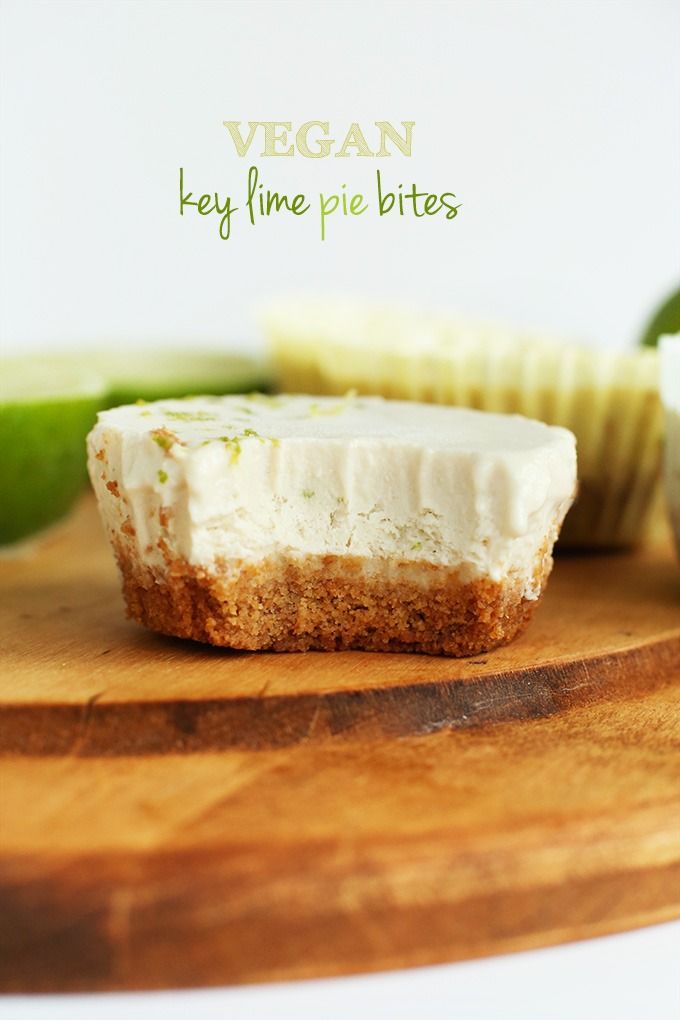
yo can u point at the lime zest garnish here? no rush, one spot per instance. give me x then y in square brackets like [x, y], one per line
[342, 405]
[164, 438]
[190, 415]
[233, 443]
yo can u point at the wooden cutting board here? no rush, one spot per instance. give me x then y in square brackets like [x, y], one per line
[174, 814]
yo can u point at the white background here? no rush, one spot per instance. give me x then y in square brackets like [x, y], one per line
[556, 123]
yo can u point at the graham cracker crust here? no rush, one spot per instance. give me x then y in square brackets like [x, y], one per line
[328, 603]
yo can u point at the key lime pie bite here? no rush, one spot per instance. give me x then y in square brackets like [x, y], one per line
[295, 522]
[609, 399]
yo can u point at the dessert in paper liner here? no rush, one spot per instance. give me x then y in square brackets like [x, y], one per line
[609, 399]
[669, 347]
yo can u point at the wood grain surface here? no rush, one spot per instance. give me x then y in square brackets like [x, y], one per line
[173, 814]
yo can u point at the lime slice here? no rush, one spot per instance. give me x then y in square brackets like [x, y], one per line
[46, 410]
[665, 320]
[157, 375]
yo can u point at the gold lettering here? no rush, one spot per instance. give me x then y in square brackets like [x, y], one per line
[272, 138]
[233, 127]
[387, 131]
[325, 144]
[354, 139]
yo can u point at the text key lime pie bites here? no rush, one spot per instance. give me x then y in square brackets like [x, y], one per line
[294, 522]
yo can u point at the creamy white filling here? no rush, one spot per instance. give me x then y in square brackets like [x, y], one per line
[233, 480]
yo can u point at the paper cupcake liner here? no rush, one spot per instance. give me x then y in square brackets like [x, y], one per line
[609, 400]
[669, 347]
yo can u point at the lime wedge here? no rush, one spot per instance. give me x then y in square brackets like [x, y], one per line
[157, 375]
[665, 320]
[46, 410]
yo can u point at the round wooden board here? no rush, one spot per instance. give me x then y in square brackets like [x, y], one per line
[179, 815]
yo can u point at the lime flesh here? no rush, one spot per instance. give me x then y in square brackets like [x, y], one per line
[46, 412]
